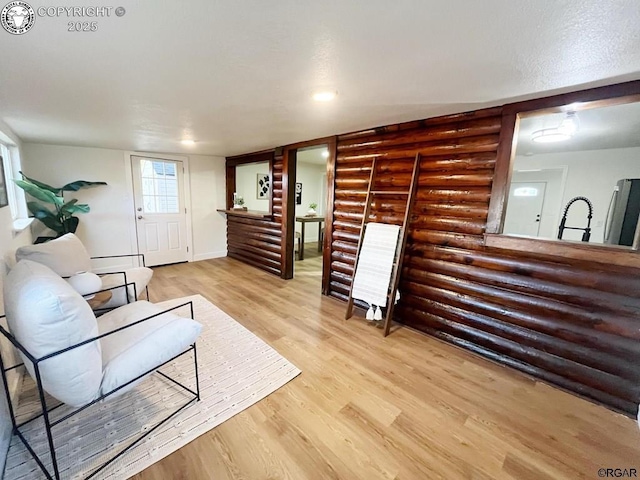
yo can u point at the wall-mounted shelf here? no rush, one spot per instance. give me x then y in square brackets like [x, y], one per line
[246, 213]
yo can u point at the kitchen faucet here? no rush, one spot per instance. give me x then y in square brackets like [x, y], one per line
[586, 231]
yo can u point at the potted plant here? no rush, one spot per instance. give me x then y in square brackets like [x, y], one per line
[60, 216]
[312, 209]
[238, 202]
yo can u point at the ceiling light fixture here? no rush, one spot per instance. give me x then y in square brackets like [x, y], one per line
[324, 96]
[189, 143]
[567, 129]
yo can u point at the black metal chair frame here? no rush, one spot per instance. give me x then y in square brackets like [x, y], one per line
[144, 264]
[46, 411]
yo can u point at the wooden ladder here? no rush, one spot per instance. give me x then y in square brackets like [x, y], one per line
[404, 230]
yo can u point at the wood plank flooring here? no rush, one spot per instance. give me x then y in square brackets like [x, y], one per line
[366, 407]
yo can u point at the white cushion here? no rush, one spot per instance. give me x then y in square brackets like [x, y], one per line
[135, 350]
[46, 315]
[141, 276]
[65, 255]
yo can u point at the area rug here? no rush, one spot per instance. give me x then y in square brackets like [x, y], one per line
[236, 370]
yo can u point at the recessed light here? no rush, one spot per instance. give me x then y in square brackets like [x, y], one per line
[325, 154]
[188, 142]
[324, 96]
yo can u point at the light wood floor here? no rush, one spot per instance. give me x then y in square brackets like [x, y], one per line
[311, 266]
[366, 407]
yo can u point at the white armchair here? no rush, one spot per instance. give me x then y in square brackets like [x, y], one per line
[67, 256]
[78, 361]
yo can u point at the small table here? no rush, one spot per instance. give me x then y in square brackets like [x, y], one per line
[99, 299]
[303, 221]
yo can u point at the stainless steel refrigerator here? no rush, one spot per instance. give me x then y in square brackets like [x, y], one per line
[624, 210]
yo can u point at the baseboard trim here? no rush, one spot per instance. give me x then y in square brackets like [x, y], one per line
[209, 255]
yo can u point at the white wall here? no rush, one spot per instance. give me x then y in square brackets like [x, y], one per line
[313, 179]
[208, 193]
[591, 174]
[109, 229]
[106, 230]
[247, 185]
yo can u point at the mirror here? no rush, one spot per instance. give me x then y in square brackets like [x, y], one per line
[576, 175]
[310, 204]
[253, 186]
[311, 181]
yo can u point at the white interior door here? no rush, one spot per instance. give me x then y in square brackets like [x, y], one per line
[525, 208]
[161, 219]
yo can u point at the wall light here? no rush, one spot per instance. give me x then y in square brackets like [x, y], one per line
[187, 142]
[549, 135]
[325, 153]
[567, 129]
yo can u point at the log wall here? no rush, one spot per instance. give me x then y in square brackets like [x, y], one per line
[572, 322]
[257, 241]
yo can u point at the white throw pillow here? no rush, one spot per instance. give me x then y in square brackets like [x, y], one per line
[46, 315]
[131, 352]
[65, 255]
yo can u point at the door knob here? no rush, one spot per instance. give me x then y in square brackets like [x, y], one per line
[139, 209]
[139, 217]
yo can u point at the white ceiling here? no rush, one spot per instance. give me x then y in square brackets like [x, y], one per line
[313, 155]
[616, 126]
[237, 76]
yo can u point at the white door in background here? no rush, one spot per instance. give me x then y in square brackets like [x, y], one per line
[525, 208]
[161, 219]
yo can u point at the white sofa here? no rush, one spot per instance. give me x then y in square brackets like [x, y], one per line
[67, 256]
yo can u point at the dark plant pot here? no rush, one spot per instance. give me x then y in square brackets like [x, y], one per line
[43, 240]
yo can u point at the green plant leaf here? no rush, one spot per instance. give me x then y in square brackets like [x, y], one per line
[35, 207]
[42, 185]
[39, 193]
[78, 184]
[72, 207]
[48, 218]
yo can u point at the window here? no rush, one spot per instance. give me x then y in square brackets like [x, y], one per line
[159, 186]
[576, 175]
[9, 175]
[579, 220]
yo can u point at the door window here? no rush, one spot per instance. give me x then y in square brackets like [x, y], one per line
[159, 186]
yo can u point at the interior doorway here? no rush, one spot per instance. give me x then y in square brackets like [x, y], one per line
[160, 202]
[310, 202]
[535, 199]
[526, 200]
